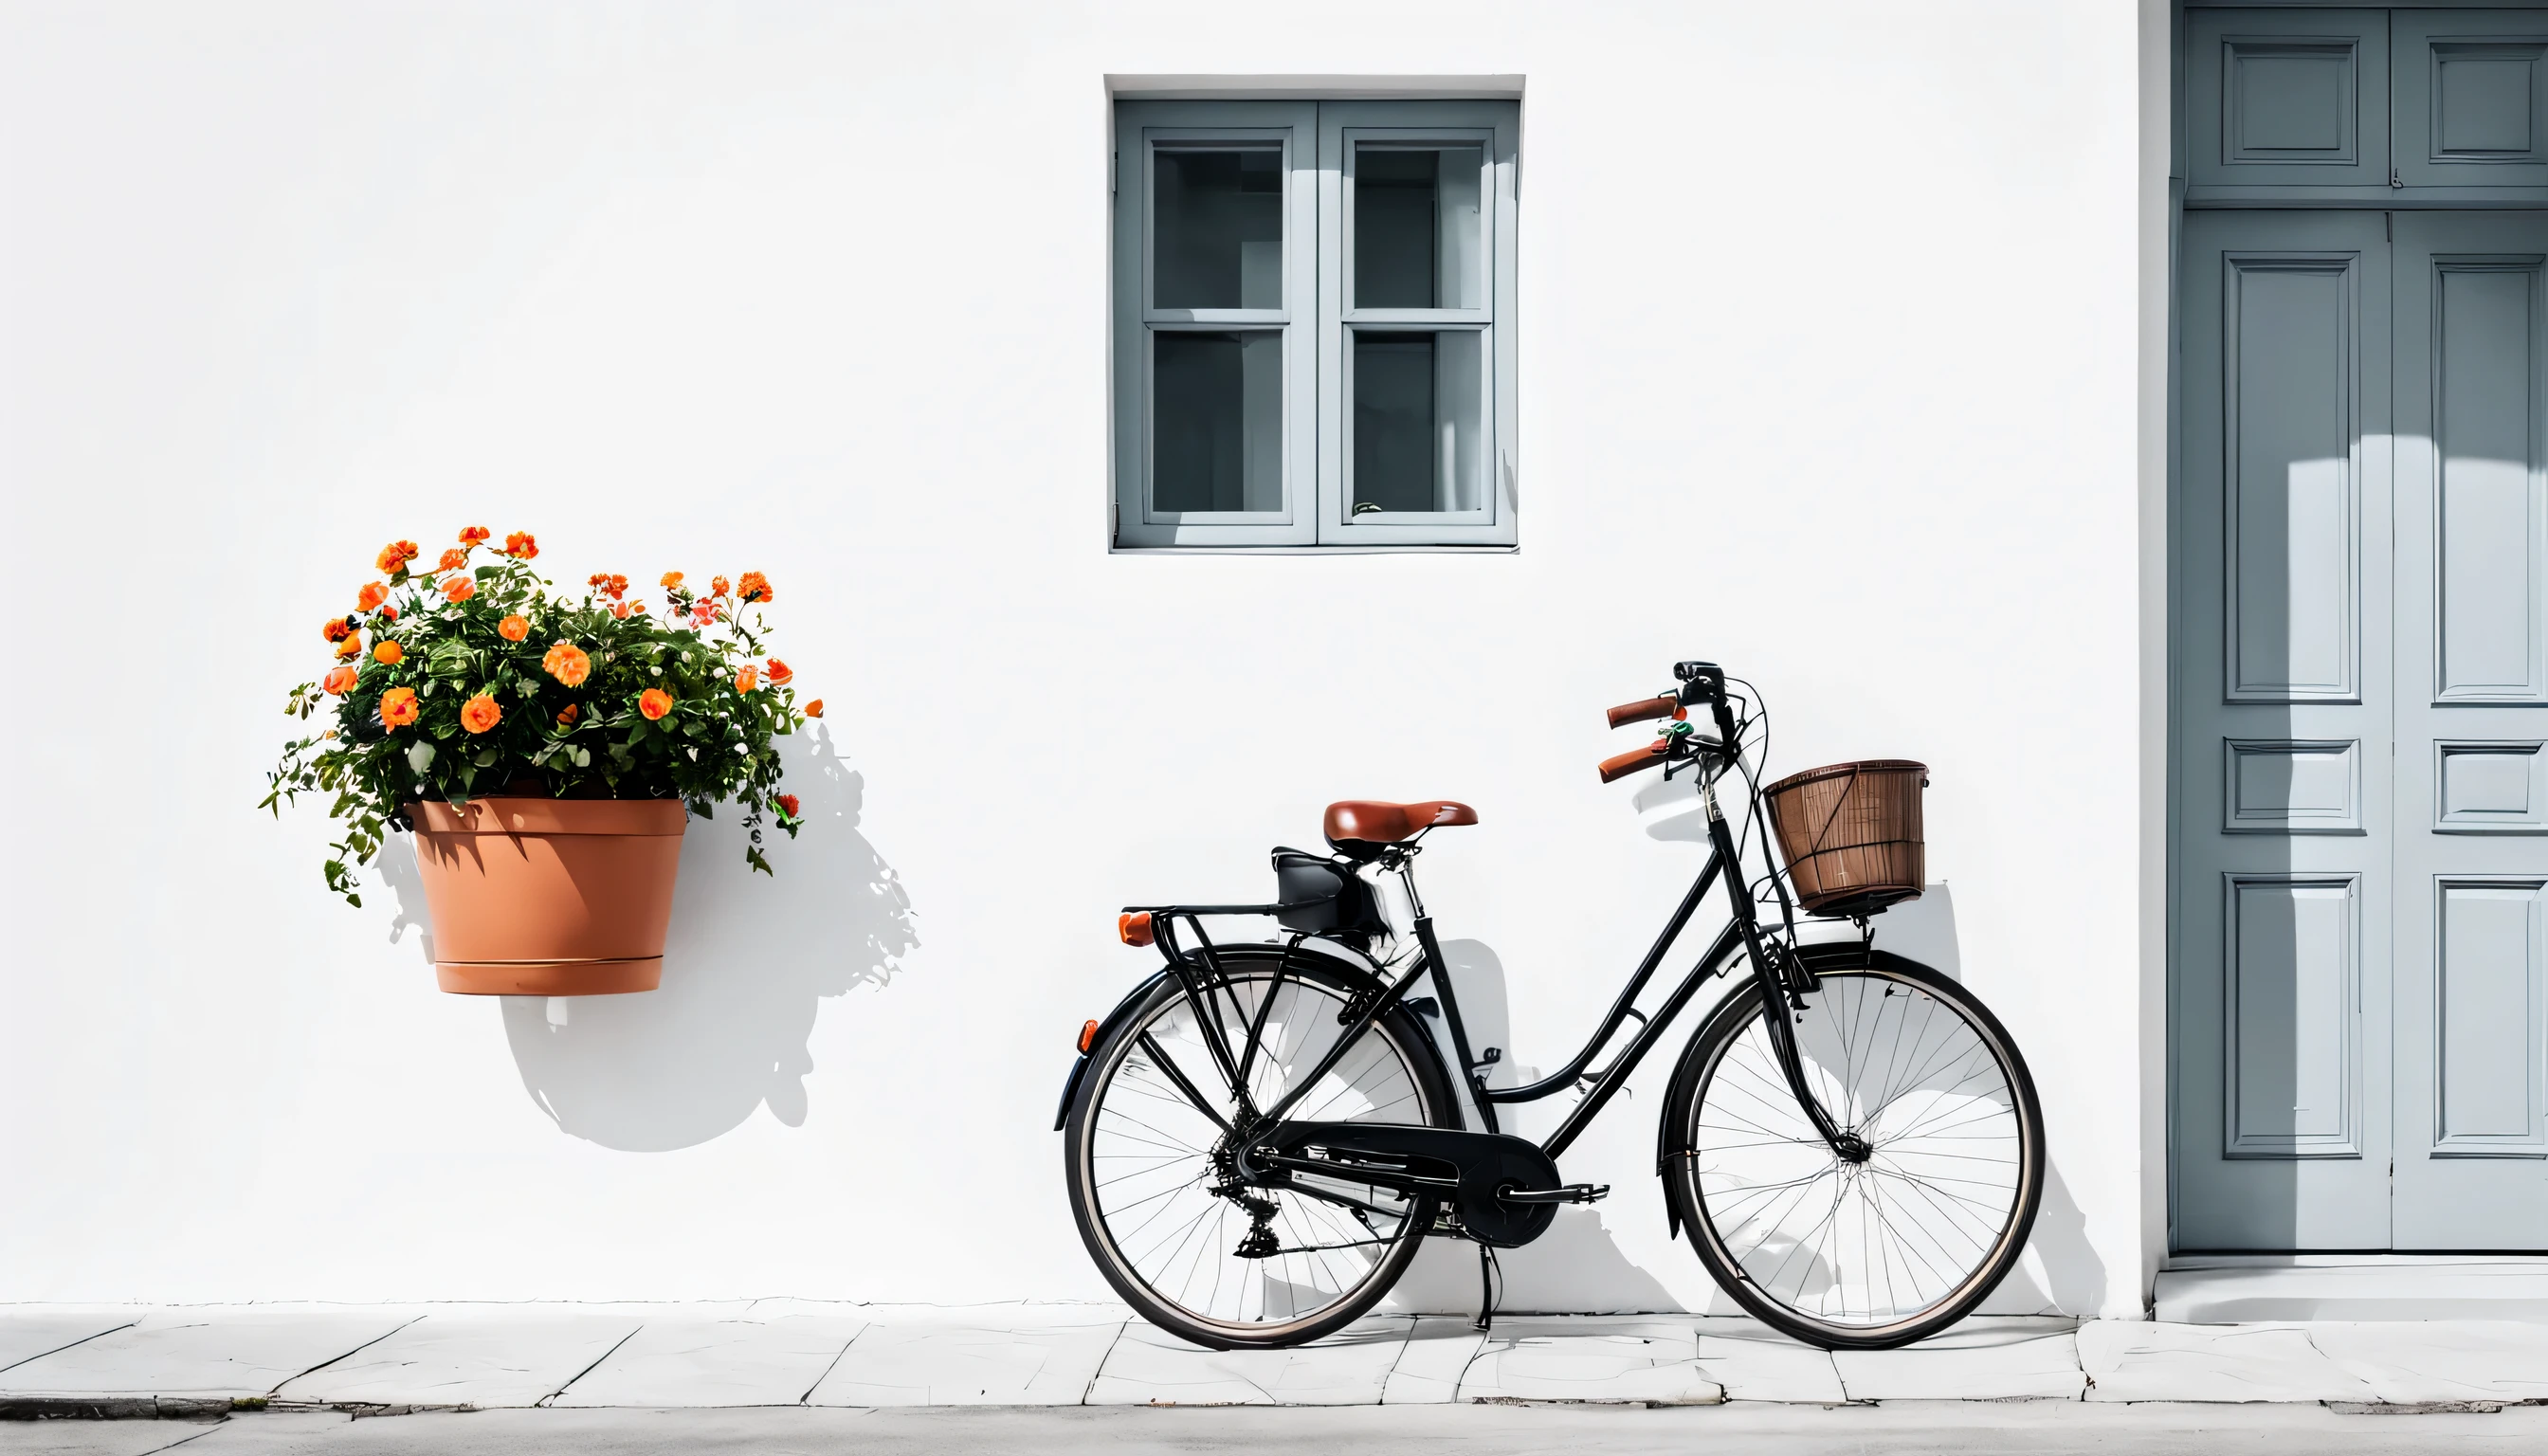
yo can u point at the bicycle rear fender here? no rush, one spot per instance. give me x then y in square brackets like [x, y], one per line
[1345, 957]
[1818, 955]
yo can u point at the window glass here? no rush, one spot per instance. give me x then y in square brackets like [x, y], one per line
[1218, 425]
[1416, 236]
[1218, 227]
[1419, 436]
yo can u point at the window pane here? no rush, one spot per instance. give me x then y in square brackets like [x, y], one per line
[1418, 421]
[1217, 228]
[1217, 431]
[1417, 244]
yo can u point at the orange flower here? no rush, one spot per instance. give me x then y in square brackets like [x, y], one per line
[390, 612]
[754, 588]
[389, 654]
[671, 580]
[371, 597]
[453, 559]
[513, 628]
[716, 586]
[780, 674]
[397, 707]
[706, 613]
[480, 713]
[339, 681]
[350, 647]
[654, 702]
[814, 709]
[338, 628]
[522, 544]
[637, 608]
[396, 555]
[459, 590]
[788, 804]
[472, 535]
[567, 715]
[567, 663]
[619, 609]
[747, 679]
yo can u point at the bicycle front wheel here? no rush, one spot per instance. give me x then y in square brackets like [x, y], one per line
[1858, 1254]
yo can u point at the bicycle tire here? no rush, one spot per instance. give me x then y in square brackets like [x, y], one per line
[1711, 1168]
[1326, 989]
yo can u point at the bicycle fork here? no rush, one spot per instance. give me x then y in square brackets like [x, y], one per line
[1782, 997]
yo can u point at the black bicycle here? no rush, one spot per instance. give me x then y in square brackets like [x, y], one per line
[1260, 1135]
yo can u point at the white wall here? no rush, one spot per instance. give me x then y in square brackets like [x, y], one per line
[1829, 326]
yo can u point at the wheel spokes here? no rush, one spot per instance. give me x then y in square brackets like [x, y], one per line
[1162, 1186]
[1867, 1243]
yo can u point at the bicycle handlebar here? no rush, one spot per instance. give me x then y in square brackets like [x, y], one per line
[1625, 713]
[1635, 760]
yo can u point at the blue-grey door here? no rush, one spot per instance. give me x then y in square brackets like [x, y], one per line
[2360, 1002]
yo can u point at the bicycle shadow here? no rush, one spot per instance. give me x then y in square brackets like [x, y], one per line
[747, 966]
[1576, 1267]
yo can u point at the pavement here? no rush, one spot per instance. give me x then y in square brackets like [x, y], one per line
[1738, 1429]
[812, 1376]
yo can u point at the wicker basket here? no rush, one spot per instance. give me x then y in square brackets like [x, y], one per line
[1850, 834]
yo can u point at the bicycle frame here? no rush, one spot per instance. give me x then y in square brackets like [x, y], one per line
[1741, 932]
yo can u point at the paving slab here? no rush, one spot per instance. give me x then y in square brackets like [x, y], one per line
[1757, 1363]
[747, 1358]
[1591, 1357]
[996, 1357]
[2131, 1360]
[25, 1333]
[101, 1438]
[1150, 1367]
[1988, 1358]
[2412, 1363]
[206, 1351]
[1429, 1365]
[471, 1356]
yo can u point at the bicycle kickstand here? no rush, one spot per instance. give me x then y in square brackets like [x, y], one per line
[1487, 1272]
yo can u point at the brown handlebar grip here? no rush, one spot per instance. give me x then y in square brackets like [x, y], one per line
[1634, 761]
[1647, 711]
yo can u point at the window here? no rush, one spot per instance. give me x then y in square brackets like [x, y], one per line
[1314, 323]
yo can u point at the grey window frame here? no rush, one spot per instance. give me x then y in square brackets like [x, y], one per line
[1317, 322]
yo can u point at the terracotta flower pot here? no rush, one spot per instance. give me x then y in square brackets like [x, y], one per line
[548, 897]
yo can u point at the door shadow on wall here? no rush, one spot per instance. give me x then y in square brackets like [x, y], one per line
[749, 959]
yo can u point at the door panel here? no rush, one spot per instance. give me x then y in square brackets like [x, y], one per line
[2471, 96]
[2288, 98]
[2280, 1052]
[2471, 1015]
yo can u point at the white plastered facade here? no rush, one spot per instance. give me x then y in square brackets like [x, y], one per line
[1836, 366]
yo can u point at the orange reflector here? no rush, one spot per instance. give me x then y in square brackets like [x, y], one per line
[1135, 929]
[1087, 1034]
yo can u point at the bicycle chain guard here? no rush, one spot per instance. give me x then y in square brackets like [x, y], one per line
[1468, 1169]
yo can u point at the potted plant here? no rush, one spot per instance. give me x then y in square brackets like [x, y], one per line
[547, 753]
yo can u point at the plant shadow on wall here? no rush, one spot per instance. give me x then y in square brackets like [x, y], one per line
[749, 963]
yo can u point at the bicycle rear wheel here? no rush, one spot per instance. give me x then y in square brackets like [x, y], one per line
[1858, 1254]
[1152, 1183]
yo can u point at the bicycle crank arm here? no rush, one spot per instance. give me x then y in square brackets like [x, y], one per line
[1571, 1193]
